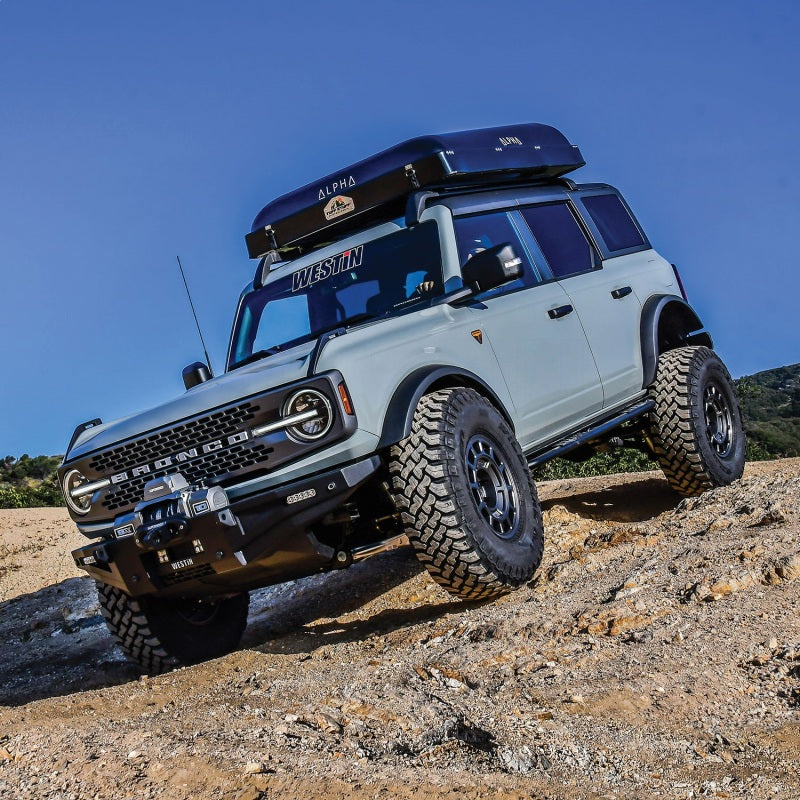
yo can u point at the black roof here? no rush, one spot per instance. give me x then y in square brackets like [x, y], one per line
[377, 188]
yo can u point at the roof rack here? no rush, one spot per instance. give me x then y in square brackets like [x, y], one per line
[377, 188]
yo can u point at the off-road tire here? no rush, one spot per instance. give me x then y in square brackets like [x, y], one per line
[467, 550]
[695, 425]
[161, 634]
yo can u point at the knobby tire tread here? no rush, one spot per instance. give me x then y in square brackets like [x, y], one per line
[135, 625]
[674, 429]
[129, 626]
[420, 467]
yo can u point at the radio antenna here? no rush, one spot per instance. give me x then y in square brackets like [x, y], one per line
[194, 314]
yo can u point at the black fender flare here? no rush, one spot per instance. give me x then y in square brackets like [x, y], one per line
[401, 408]
[692, 331]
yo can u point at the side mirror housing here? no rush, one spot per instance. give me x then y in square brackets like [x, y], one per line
[195, 374]
[492, 268]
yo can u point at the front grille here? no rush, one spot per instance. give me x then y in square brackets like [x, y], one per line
[217, 447]
[204, 468]
[194, 432]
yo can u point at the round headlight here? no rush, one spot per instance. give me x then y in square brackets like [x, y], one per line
[319, 419]
[72, 480]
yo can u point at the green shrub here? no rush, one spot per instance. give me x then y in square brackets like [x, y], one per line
[11, 497]
[606, 463]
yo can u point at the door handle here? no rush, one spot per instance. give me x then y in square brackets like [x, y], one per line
[561, 311]
[624, 291]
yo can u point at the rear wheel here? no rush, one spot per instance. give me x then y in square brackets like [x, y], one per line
[163, 633]
[466, 496]
[696, 425]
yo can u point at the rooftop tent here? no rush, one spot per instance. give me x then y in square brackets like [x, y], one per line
[376, 189]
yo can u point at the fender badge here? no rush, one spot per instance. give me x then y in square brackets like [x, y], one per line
[477, 336]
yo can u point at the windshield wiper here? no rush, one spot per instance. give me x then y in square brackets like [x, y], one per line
[364, 317]
[348, 322]
[257, 356]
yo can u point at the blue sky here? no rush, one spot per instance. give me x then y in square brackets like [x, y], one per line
[133, 132]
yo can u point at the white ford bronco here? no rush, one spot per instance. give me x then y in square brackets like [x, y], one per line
[422, 328]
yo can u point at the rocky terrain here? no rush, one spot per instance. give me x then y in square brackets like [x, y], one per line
[655, 655]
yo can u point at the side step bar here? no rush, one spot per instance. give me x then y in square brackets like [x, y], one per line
[577, 439]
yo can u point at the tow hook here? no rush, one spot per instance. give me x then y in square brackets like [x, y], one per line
[344, 558]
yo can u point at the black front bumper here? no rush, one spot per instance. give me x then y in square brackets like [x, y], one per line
[270, 542]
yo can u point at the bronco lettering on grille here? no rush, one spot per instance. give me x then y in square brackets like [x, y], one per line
[180, 458]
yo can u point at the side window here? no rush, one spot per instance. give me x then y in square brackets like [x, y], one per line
[613, 221]
[561, 238]
[482, 231]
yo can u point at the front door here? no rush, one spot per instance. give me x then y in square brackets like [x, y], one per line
[536, 336]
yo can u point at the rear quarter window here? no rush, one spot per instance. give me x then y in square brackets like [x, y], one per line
[614, 222]
[561, 239]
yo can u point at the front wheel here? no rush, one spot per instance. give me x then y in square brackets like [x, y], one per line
[696, 425]
[164, 633]
[466, 496]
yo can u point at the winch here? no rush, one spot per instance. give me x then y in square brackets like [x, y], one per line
[166, 513]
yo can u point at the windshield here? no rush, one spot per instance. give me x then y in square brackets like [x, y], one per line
[386, 276]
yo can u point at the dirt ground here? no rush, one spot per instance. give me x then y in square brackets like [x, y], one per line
[655, 655]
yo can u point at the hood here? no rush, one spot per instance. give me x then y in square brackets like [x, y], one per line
[240, 384]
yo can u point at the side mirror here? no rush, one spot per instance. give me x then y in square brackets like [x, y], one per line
[492, 268]
[195, 374]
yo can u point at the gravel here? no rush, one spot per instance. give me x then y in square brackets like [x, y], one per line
[655, 654]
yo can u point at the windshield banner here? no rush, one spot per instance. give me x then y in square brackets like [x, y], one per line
[322, 270]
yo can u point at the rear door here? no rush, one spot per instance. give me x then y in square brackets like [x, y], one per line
[538, 340]
[600, 291]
